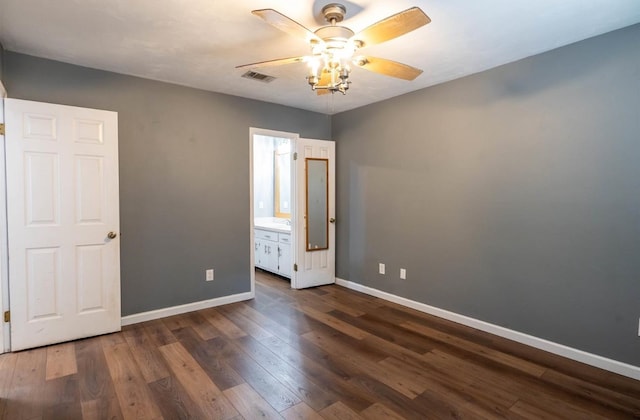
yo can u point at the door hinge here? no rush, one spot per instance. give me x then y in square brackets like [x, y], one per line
[2, 129]
[295, 155]
[295, 267]
[7, 316]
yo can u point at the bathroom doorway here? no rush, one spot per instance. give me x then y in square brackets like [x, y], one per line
[273, 207]
[292, 207]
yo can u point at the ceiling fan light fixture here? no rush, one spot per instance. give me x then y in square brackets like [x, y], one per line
[330, 71]
[315, 64]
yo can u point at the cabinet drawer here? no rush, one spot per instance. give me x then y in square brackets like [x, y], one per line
[266, 234]
[284, 238]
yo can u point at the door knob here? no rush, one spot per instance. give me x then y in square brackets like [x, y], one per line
[111, 235]
[332, 220]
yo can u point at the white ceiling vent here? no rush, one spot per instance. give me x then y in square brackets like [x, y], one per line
[258, 76]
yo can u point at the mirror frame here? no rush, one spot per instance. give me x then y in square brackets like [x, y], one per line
[306, 208]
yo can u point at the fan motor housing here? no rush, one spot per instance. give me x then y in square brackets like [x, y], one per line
[334, 12]
[334, 33]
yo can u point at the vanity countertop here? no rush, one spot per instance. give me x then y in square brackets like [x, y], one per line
[272, 224]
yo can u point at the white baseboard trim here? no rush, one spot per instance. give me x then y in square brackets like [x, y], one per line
[181, 309]
[539, 343]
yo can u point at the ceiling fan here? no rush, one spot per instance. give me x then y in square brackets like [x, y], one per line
[333, 47]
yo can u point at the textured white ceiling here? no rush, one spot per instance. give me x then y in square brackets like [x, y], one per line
[199, 42]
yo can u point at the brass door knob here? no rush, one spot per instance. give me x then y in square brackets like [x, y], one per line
[332, 220]
[111, 235]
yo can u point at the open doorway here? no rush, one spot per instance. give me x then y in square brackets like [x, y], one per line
[272, 202]
[292, 208]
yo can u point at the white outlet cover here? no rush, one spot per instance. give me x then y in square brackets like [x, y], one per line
[209, 274]
[403, 274]
[381, 268]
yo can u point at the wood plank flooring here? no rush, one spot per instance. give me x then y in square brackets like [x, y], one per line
[323, 353]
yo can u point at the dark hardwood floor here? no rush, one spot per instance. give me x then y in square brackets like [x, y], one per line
[324, 353]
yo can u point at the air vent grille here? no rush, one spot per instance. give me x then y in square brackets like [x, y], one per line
[258, 76]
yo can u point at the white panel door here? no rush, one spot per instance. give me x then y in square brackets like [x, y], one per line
[316, 267]
[4, 296]
[63, 221]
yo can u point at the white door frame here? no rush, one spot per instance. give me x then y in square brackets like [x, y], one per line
[5, 344]
[269, 133]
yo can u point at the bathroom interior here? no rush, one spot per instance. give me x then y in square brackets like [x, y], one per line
[272, 204]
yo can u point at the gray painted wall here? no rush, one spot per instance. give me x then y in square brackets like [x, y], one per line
[511, 196]
[1, 63]
[184, 174]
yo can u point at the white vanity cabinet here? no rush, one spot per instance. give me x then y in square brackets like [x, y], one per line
[273, 251]
[284, 255]
[266, 249]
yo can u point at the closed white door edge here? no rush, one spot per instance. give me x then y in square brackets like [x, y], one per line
[5, 344]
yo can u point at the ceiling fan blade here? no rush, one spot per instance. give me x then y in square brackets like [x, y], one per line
[286, 24]
[388, 67]
[393, 26]
[277, 62]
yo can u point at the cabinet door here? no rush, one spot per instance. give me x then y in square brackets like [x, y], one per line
[258, 253]
[270, 249]
[284, 259]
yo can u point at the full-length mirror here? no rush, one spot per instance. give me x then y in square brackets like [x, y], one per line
[317, 204]
[282, 184]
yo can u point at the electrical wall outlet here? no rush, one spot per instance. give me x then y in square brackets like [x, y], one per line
[403, 274]
[209, 274]
[381, 268]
